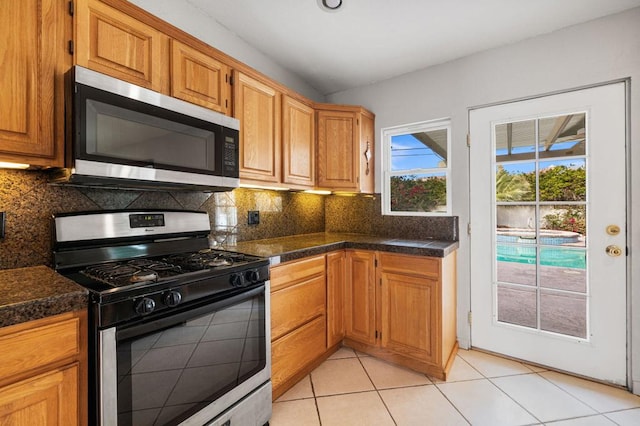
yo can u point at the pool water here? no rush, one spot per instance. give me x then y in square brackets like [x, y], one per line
[549, 256]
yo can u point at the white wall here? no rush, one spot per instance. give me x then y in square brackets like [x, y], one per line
[192, 20]
[598, 51]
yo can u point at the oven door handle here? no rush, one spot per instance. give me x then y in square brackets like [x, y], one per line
[186, 314]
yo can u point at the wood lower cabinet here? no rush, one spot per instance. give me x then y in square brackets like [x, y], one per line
[298, 320]
[412, 309]
[360, 297]
[336, 279]
[258, 107]
[34, 58]
[43, 377]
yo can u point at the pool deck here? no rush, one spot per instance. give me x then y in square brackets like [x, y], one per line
[562, 313]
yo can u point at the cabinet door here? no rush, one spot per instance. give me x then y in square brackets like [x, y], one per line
[298, 143]
[409, 314]
[198, 78]
[337, 150]
[34, 58]
[114, 43]
[336, 270]
[367, 154]
[47, 399]
[258, 108]
[360, 298]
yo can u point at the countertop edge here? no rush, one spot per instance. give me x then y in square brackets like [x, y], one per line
[37, 292]
[285, 249]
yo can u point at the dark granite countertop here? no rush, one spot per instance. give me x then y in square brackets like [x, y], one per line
[36, 292]
[284, 249]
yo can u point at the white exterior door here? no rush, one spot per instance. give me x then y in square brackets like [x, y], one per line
[548, 236]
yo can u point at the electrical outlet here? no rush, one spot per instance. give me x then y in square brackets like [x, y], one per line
[253, 217]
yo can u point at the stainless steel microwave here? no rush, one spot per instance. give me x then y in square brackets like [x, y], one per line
[125, 136]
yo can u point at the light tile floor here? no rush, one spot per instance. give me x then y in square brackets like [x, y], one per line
[351, 389]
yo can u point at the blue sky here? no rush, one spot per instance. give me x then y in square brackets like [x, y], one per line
[409, 153]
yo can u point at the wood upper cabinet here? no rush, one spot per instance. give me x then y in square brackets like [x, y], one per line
[198, 78]
[114, 43]
[336, 279]
[258, 107]
[298, 143]
[345, 148]
[34, 58]
[43, 378]
[360, 297]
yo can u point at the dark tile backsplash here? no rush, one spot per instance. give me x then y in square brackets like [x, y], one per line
[29, 202]
[363, 215]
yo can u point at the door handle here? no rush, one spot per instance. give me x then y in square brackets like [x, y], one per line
[613, 251]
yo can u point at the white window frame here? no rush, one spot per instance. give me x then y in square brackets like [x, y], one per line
[423, 126]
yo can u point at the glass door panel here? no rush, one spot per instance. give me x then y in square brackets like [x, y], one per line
[541, 241]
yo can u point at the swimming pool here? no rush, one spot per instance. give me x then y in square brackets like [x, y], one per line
[549, 256]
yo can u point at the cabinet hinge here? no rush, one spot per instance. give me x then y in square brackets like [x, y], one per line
[469, 228]
[375, 263]
[226, 103]
[71, 47]
[71, 8]
[469, 317]
[231, 80]
[468, 139]
[376, 334]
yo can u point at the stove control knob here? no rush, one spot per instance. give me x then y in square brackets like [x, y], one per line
[236, 280]
[252, 276]
[145, 306]
[172, 298]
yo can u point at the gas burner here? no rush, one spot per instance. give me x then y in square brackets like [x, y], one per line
[134, 271]
[203, 259]
[142, 276]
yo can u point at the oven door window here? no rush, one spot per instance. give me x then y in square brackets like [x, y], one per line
[167, 375]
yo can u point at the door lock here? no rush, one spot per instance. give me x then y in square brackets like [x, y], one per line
[613, 251]
[613, 229]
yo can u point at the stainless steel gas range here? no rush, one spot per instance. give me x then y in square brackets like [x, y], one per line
[179, 332]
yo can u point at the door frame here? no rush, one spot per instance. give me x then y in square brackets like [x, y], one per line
[630, 350]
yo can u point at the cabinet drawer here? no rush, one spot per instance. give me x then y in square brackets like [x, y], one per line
[289, 274]
[40, 345]
[419, 265]
[297, 304]
[294, 351]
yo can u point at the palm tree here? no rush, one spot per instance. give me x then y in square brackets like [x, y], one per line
[512, 187]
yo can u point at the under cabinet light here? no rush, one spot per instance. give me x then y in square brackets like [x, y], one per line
[7, 165]
[270, 188]
[317, 191]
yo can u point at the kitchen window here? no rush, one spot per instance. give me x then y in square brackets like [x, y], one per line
[416, 171]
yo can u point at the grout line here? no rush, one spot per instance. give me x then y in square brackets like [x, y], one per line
[377, 391]
[513, 399]
[569, 393]
[315, 399]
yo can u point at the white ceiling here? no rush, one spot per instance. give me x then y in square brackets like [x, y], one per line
[372, 40]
